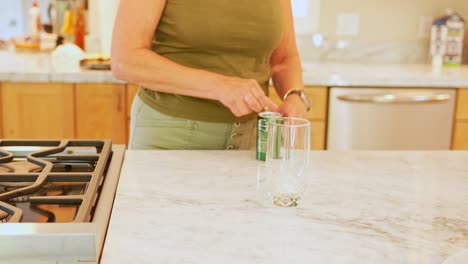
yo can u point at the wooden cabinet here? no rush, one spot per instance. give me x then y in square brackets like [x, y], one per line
[460, 136]
[462, 104]
[318, 134]
[460, 133]
[37, 110]
[101, 112]
[317, 114]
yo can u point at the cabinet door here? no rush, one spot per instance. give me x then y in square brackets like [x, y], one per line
[318, 134]
[462, 104]
[37, 111]
[100, 112]
[460, 133]
[319, 99]
[460, 136]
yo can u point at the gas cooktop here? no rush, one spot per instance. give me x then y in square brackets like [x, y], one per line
[51, 180]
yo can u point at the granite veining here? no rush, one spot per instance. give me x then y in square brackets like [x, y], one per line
[359, 207]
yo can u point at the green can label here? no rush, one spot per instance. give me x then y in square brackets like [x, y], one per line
[262, 132]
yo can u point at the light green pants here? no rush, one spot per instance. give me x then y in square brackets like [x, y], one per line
[151, 129]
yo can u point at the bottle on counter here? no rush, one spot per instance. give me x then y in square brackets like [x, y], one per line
[68, 27]
[80, 25]
[447, 40]
[52, 15]
[35, 19]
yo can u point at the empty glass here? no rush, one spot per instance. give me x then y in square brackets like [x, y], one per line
[286, 160]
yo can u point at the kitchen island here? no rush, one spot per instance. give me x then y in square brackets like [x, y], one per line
[360, 207]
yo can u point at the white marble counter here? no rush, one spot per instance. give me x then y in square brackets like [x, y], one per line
[37, 67]
[384, 75]
[29, 67]
[360, 207]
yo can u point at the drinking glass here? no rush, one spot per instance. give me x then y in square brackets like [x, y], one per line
[287, 159]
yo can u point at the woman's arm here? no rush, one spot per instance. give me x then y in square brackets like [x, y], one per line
[286, 67]
[135, 62]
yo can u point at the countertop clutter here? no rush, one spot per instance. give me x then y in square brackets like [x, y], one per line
[37, 67]
[28, 67]
[360, 207]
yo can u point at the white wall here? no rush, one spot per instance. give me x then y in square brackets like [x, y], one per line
[10, 22]
[14, 17]
[101, 18]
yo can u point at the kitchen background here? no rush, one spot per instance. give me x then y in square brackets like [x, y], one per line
[367, 31]
[376, 31]
[366, 65]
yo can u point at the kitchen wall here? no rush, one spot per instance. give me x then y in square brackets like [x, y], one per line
[13, 14]
[101, 22]
[388, 30]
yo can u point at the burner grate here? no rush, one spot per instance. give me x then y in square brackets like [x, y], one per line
[53, 163]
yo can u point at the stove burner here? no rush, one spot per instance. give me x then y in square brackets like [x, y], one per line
[50, 179]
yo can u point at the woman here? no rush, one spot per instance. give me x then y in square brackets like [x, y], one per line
[204, 68]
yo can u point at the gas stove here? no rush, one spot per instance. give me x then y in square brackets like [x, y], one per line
[58, 189]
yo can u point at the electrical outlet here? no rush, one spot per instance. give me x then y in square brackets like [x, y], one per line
[347, 24]
[425, 25]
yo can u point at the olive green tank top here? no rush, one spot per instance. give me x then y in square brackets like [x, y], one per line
[230, 37]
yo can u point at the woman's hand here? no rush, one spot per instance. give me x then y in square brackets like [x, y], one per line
[244, 96]
[293, 106]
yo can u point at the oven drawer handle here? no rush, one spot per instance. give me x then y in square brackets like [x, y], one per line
[394, 99]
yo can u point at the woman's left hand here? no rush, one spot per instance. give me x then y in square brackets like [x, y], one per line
[293, 106]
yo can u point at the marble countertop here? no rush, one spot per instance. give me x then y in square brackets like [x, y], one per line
[359, 207]
[384, 75]
[37, 67]
[31, 67]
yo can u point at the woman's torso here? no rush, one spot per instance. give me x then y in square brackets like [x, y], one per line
[234, 38]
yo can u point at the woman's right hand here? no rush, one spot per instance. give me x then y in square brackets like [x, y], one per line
[244, 96]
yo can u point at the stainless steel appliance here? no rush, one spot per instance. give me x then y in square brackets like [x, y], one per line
[390, 119]
[55, 198]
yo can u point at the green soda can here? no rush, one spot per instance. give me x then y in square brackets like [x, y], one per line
[262, 132]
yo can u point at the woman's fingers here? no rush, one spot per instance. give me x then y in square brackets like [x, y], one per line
[269, 105]
[265, 102]
[253, 103]
[244, 96]
[241, 109]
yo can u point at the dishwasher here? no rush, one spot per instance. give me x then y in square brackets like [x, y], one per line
[390, 118]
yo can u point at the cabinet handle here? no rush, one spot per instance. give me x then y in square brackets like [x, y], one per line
[119, 101]
[394, 99]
